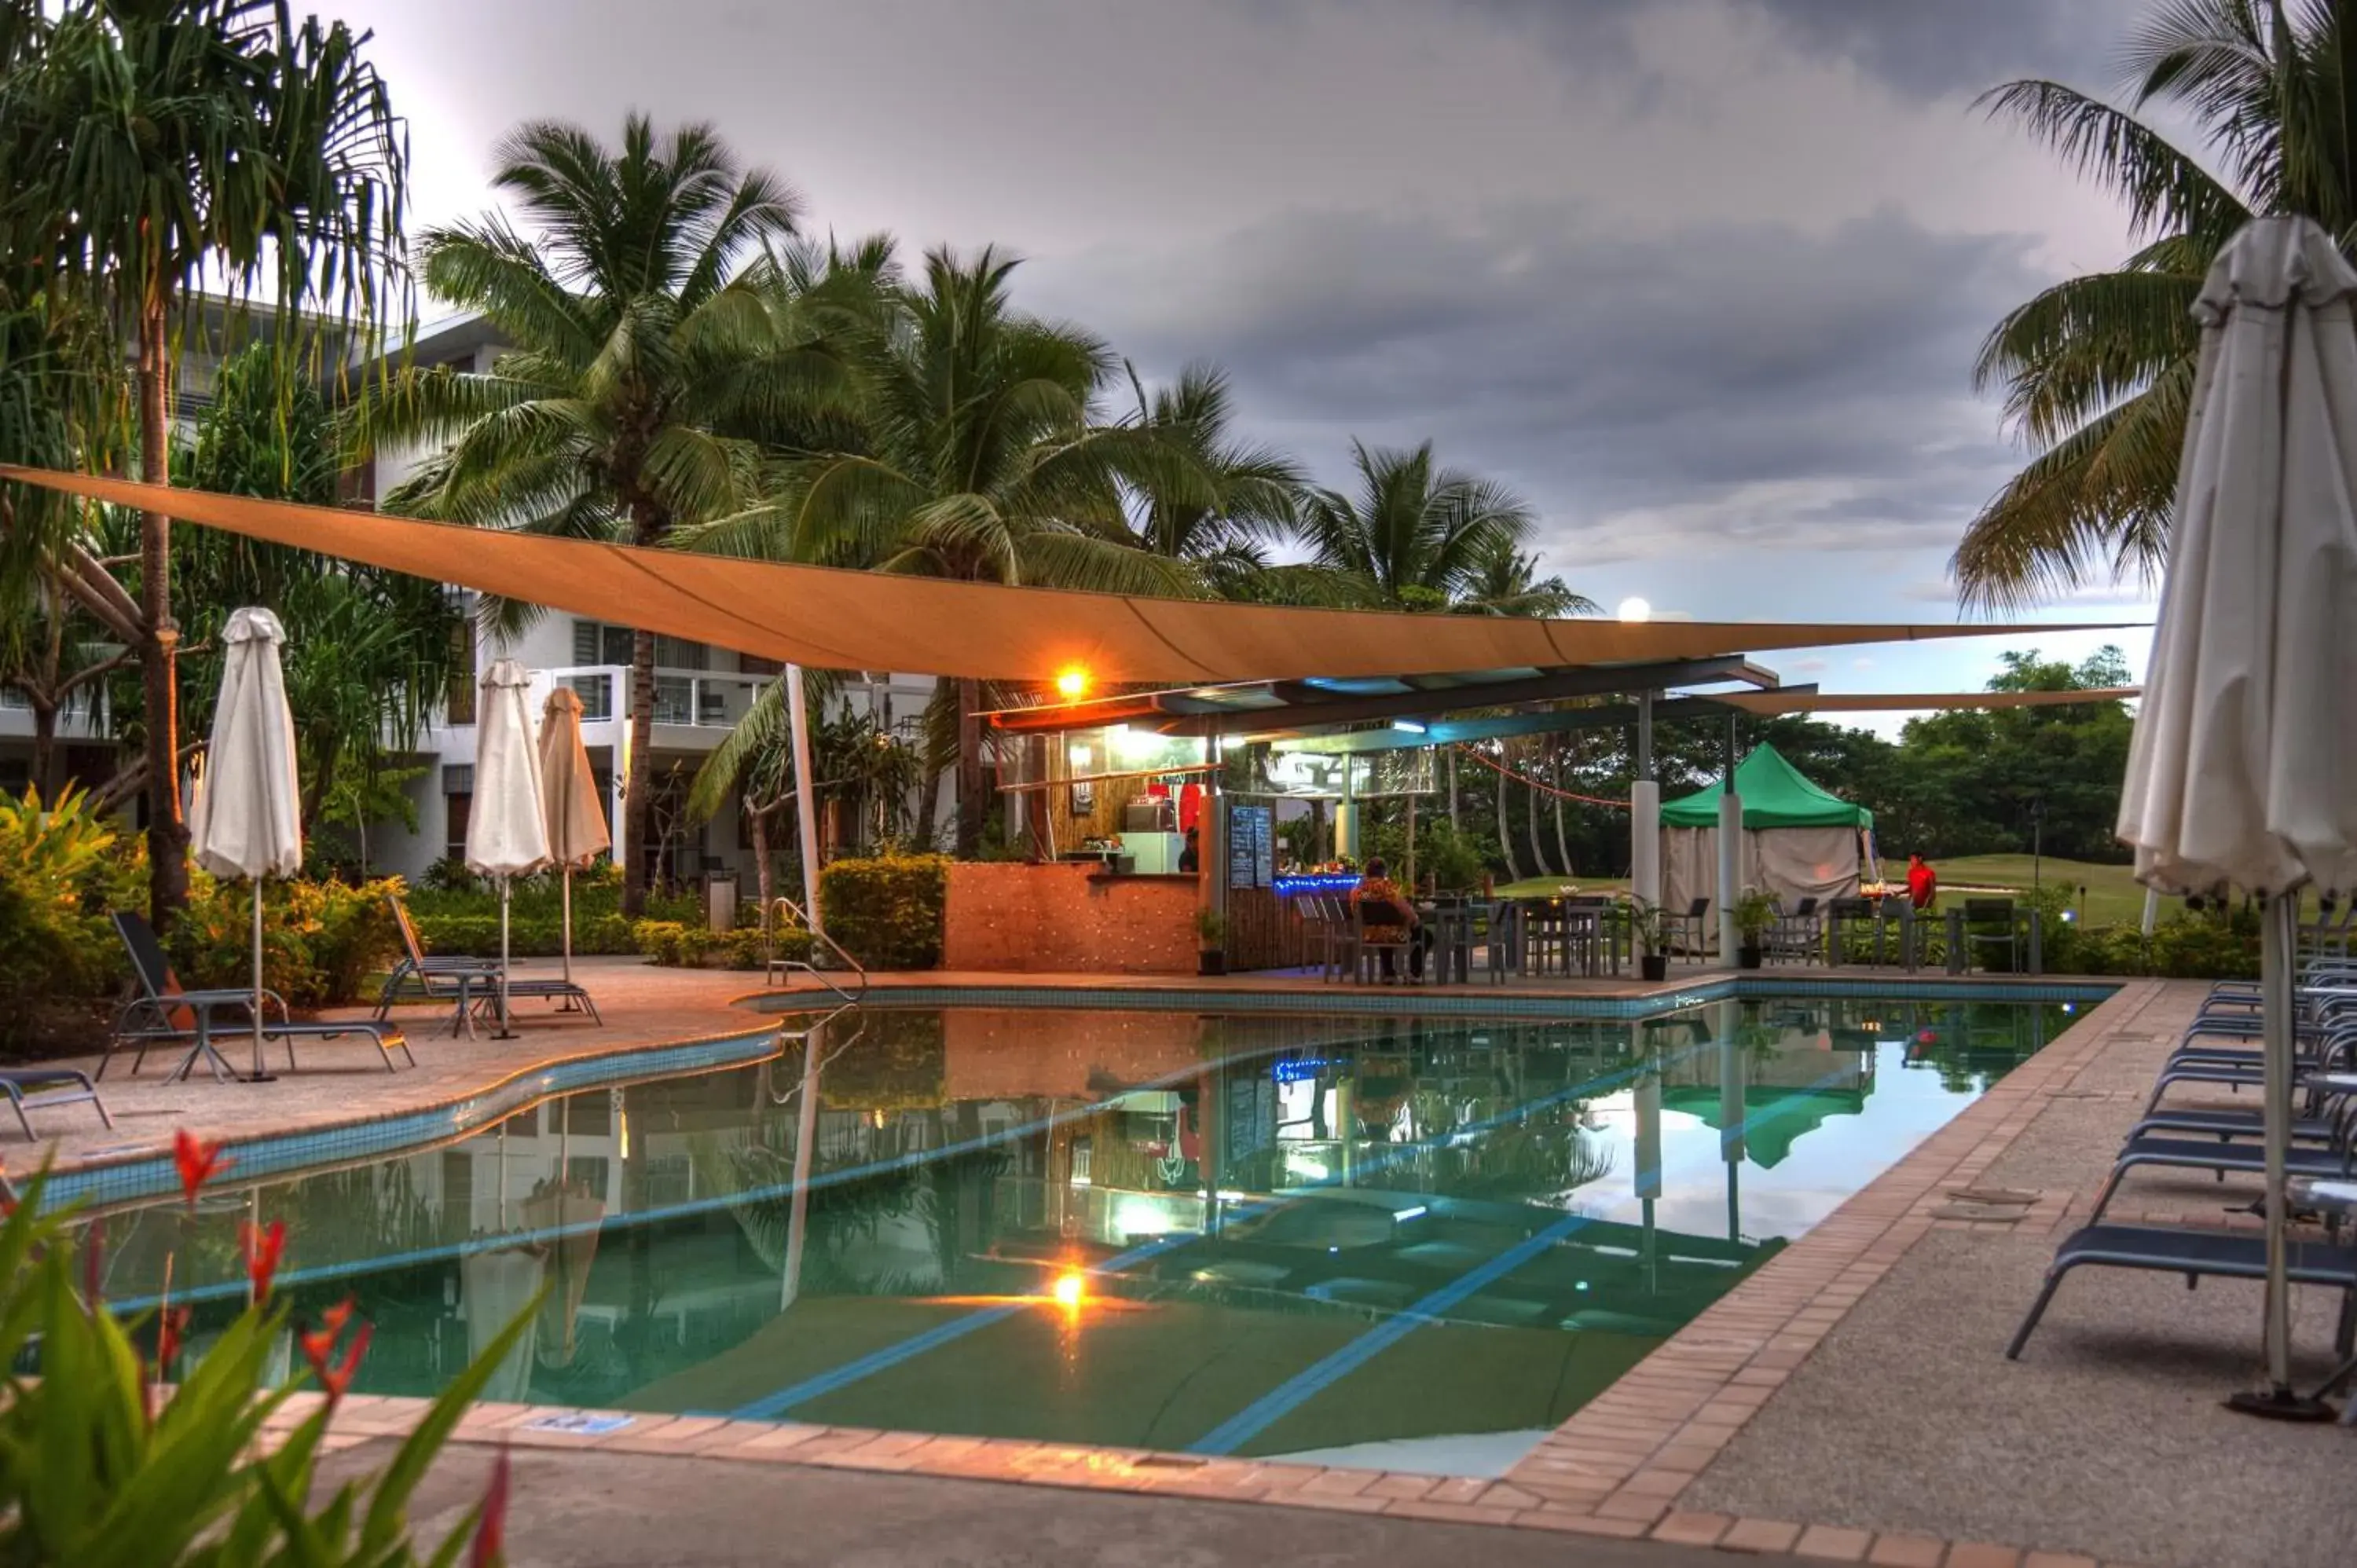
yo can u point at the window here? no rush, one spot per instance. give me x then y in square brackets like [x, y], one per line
[598, 643]
[461, 696]
[458, 1190]
[458, 796]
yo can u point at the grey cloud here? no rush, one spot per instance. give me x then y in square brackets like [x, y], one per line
[1924, 47]
[1735, 387]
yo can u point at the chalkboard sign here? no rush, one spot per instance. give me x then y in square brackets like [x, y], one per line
[1252, 847]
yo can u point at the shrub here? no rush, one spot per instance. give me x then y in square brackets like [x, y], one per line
[529, 936]
[54, 938]
[98, 1472]
[887, 912]
[320, 940]
[679, 945]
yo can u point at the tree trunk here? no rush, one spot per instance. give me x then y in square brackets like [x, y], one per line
[764, 880]
[1506, 825]
[1538, 845]
[45, 746]
[972, 808]
[638, 780]
[1562, 844]
[929, 787]
[167, 836]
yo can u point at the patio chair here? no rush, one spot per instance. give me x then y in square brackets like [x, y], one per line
[1330, 934]
[1689, 930]
[1370, 950]
[1988, 924]
[37, 1089]
[2173, 1249]
[467, 982]
[1501, 943]
[1797, 937]
[160, 1013]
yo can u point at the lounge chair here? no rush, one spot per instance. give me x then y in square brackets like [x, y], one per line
[2171, 1249]
[160, 1013]
[466, 982]
[47, 1086]
[2189, 1153]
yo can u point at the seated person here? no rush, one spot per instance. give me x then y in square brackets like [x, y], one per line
[1389, 916]
[1190, 859]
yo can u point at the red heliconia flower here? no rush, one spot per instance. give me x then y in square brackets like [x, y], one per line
[318, 1348]
[491, 1530]
[171, 1326]
[261, 1248]
[198, 1162]
[336, 1316]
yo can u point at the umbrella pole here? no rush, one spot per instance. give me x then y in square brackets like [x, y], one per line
[506, 887]
[260, 1074]
[568, 930]
[2278, 1400]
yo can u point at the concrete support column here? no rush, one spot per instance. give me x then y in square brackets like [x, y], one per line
[1346, 817]
[1730, 873]
[1645, 812]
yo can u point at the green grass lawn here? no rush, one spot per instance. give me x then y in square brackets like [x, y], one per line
[2113, 894]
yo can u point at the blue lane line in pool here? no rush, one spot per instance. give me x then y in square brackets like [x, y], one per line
[774, 1404]
[769, 1407]
[1255, 1418]
[1283, 1400]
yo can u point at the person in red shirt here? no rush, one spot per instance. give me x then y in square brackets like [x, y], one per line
[1922, 884]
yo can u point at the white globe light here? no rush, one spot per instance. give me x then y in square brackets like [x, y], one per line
[1635, 610]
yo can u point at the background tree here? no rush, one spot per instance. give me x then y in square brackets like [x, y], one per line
[980, 458]
[2097, 372]
[1412, 535]
[166, 142]
[1217, 502]
[1505, 582]
[639, 345]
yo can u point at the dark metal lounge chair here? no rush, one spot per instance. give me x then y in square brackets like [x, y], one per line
[160, 1013]
[2179, 1249]
[464, 981]
[48, 1086]
[2221, 1157]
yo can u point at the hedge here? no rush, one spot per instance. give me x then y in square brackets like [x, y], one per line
[887, 911]
[534, 936]
[678, 945]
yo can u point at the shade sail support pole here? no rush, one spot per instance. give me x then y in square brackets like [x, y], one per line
[1645, 812]
[805, 804]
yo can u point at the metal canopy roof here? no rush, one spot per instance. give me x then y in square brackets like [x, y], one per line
[1264, 708]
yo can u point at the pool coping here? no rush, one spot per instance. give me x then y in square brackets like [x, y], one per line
[1616, 1467]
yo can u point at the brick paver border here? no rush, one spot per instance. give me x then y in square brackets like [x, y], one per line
[1616, 1468]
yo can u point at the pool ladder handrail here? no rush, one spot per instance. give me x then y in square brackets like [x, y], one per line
[810, 1038]
[774, 969]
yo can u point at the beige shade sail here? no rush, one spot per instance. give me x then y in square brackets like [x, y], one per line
[867, 620]
[1767, 704]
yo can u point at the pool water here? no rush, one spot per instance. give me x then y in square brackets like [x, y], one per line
[1420, 1245]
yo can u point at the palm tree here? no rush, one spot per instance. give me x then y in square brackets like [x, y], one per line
[1506, 582]
[645, 349]
[2098, 372]
[980, 458]
[1214, 500]
[1413, 536]
[155, 143]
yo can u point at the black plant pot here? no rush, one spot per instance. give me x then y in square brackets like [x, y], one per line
[1747, 958]
[1213, 961]
[1654, 966]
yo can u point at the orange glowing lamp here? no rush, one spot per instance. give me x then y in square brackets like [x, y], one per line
[1071, 1288]
[1072, 683]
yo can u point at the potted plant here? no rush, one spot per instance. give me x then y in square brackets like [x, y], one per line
[1649, 931]
[1754, 913]
[1208, 928]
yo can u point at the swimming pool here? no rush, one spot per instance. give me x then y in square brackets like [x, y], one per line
[1414, 1243]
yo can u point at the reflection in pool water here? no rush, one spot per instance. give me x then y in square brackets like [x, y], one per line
[1418, 1244]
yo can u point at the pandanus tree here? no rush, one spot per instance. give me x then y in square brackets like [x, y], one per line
[154, 147]
[652, 366]
[2097, 371]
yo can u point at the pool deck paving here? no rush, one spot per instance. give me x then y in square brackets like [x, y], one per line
[1848, 1401]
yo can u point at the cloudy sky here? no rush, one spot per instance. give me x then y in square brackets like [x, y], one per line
[1703, 279]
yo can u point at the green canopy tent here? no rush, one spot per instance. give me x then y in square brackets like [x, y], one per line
[1799, 841]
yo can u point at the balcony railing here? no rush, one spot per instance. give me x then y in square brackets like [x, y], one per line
[695, 699]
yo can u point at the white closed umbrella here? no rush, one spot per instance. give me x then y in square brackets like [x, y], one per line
[506, 837]
[247, 818]
[572, 807]
[2243, 769]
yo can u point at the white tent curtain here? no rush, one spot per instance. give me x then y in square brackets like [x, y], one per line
[1791, 863]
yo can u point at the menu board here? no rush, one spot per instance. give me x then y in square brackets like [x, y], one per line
[1252, 847]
